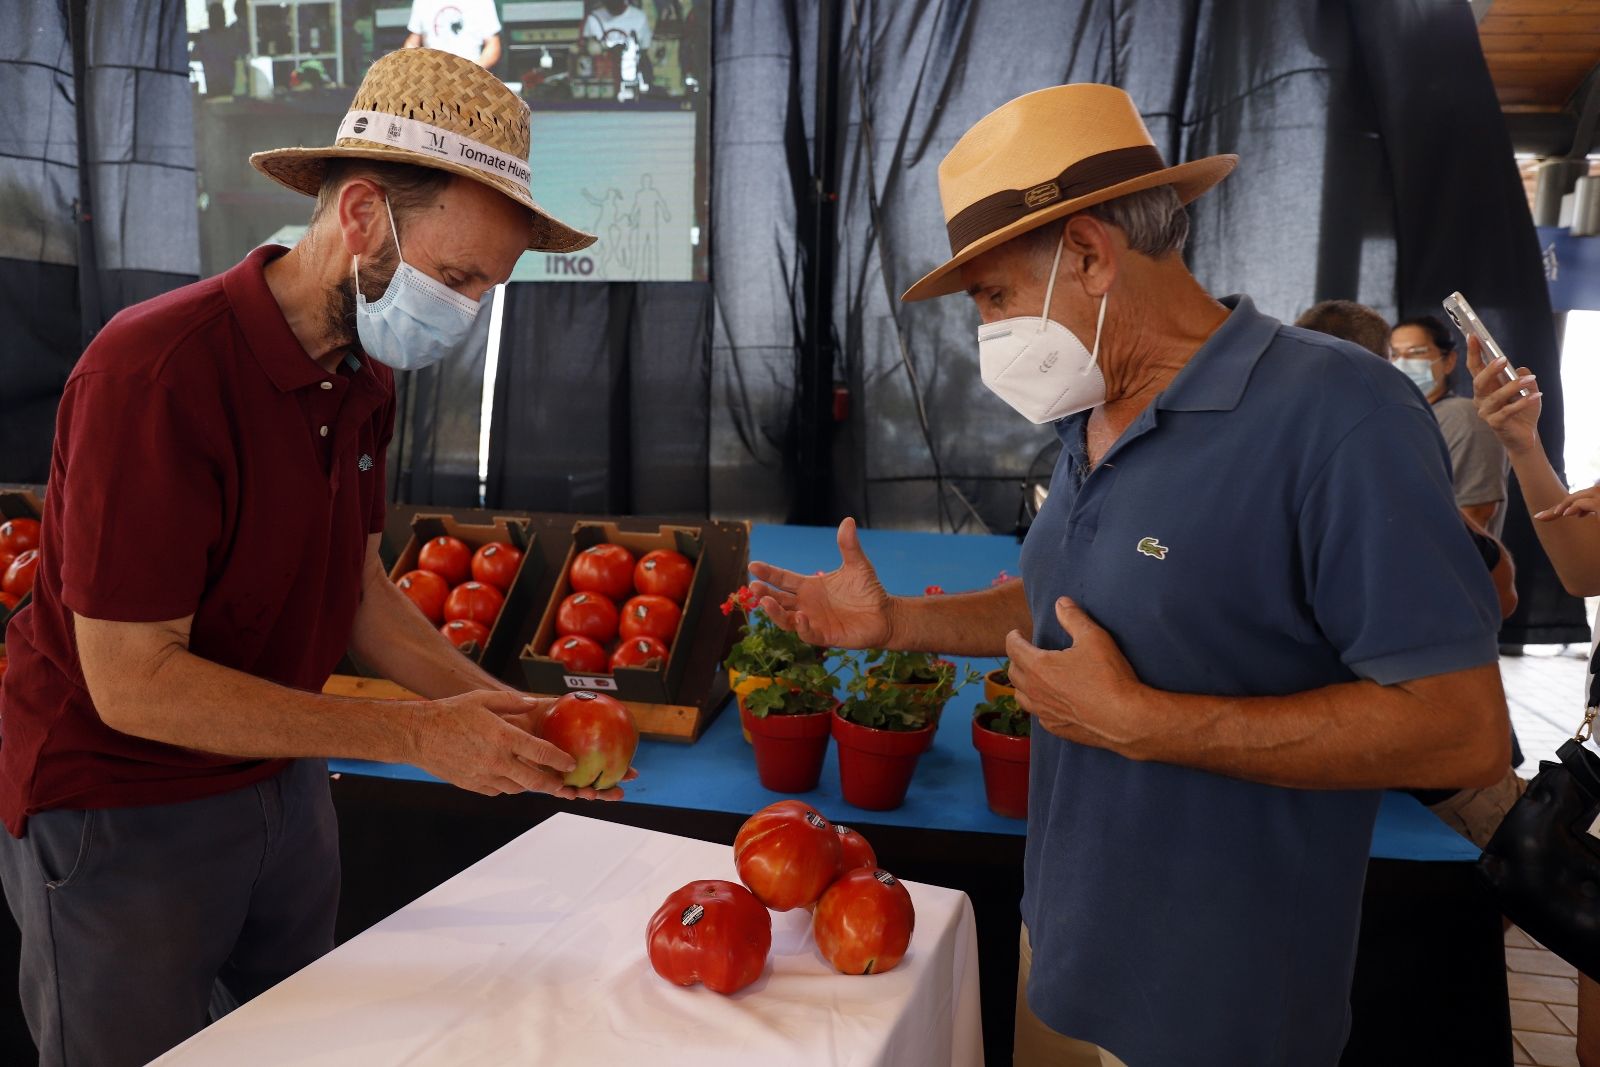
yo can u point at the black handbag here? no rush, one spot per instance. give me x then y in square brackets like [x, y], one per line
[1543, 862]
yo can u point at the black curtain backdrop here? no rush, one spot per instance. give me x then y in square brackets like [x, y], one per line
[1374, 166]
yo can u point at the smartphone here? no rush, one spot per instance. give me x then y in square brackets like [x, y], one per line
[1467, 321]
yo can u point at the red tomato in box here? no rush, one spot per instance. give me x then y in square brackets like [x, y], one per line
[853, 850]
[606, 569]
[650, 616]
[448, 557]
[787, 854]
[19, 535]
[465, 632]
[5, 561]
[863, 922]
[664, 573]
[579, 654]
[588, 614]
[7, 601]
[639, 652]
[714, 932]
[496, 564]
[476, 601]
[597, 732]
[19, 576]
[427, 591]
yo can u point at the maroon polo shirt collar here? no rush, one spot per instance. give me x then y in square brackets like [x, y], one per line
[270, 339]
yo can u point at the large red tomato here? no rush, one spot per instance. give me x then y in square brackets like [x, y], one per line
[639, 652]
[714, 932]
[853, 850]
[448, 557]
[476, 601]
[597, 732]
[579, 654]
[650, 616]
[787, 854]
[465, 632]
[19, 576]
[427, 591]
[19, 535]
[664, 573]
[496, 564]
[606, 569]
[863, 922]
[589, 614]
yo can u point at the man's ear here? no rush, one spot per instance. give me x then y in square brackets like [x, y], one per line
[362, 218]
[1090, 250]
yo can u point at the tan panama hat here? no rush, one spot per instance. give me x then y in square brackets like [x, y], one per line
[433, 109]
[1044, 156]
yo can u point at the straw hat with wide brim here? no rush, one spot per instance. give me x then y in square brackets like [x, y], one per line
[1042, 157]
[422, 99]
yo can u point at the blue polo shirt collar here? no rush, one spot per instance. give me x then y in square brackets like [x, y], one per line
[1214, 379]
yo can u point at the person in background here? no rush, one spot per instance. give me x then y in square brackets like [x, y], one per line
[1568, 527]
[1473, 813]
[1212, 735]
[466, 28]
[218, 48]
[612, 22]
[1425, 350]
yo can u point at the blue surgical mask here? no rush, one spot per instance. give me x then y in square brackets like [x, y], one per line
[1420, 371]
[417, 322]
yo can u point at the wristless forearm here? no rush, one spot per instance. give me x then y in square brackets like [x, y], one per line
[959, 624]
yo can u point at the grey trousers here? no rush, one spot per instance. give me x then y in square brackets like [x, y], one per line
[141, 925]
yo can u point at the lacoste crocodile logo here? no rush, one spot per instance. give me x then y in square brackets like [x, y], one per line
[1153, 548]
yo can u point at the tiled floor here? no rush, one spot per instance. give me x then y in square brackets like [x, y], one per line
[1545, 690]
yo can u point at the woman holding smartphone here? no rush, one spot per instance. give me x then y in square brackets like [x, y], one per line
[1568, 525]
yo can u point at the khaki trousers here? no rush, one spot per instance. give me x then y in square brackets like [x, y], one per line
[1039, 1046]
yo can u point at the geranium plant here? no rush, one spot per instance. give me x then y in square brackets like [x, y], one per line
[900, 690]
[799, 689]
[1004, 715]
[764, 649]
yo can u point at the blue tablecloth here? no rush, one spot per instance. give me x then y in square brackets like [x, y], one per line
[718, 773]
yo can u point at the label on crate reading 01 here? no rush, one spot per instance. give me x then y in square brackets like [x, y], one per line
[590, 681]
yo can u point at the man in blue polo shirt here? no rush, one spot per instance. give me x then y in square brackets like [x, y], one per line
[1250, 600]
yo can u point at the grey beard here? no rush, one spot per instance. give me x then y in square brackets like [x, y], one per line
[341, 310]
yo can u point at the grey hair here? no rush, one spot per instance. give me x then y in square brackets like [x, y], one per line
[1153, 220]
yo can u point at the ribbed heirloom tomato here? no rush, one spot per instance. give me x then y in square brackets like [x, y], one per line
[448, 557]
[714, 932]
[588, 614]
[664, 573]
[19, 535]
[465, 632]
[606, 569]
[476, 601]
[579, 654]
[496, 564]
[863, 922]
[427, 591]
[639, 652]
[854, 851]
[650, 616]
[19, 576]
[787, 854]
[597, 732]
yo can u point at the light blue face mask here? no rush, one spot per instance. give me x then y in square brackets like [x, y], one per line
[1420, 371]
[417, 322]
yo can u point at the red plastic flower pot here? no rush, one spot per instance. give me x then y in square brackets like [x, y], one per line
[1005, 770]
[789, 748]
[875, 766]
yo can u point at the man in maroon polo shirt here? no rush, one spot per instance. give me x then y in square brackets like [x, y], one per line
[210, 551]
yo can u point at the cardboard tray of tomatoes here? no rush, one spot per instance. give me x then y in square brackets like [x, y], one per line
[18, 545]
[520, 593]
[653, 677]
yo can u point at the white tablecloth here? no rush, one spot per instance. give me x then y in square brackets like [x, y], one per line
[536, 955]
